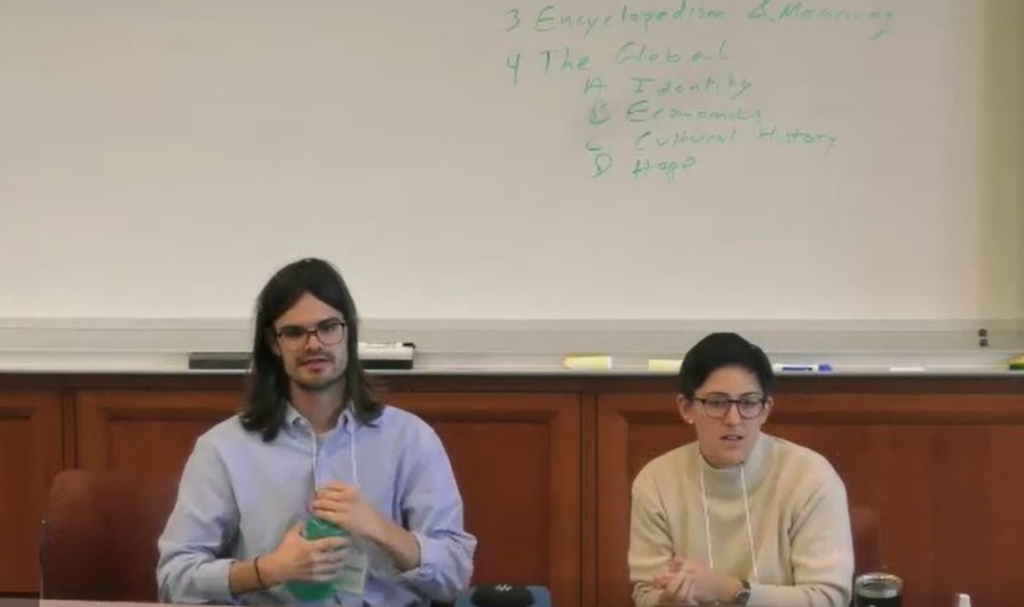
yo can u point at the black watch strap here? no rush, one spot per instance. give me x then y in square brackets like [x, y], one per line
[743, 595]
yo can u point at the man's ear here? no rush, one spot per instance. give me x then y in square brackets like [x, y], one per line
[685, 407]
[272, 343]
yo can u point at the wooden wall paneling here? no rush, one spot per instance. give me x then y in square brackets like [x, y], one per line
[30, 456]
[517, 461]
[927, 463]
[146, 431]
[69, 434]
[545, 462]
[590, 500]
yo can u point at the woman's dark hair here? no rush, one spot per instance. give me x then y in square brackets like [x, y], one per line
[723, 350]
[265, 405]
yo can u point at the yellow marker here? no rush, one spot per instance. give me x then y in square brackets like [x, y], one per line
[664, 364]
[588, 362]
[1016, 363]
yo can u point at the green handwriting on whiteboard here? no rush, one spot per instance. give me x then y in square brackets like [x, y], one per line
[662, 107]
[573, 18]
[649, 140]
[601, 159]
[513, 62]
[564, 60]
[727, 85]
[796, 137]
[645, 110]
[599, 113]
[570, 17]
[774, 11]
[668, 168]
[639, 52]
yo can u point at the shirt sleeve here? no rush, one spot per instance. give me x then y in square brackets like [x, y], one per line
[432, 511]
[191, 567]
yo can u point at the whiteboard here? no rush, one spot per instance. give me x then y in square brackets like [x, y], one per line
[515, 159]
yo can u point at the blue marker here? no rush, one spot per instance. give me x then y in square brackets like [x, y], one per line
[810, 368]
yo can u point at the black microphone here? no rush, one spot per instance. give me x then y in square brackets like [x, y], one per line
[501, 595]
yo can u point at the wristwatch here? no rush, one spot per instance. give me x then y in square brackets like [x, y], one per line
[743, 594]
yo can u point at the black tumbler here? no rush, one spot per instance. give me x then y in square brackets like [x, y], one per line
[877, 590]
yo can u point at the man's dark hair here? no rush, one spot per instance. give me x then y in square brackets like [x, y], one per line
[266, 402]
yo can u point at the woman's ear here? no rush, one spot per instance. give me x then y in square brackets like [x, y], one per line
[768, 404]
[685, 408]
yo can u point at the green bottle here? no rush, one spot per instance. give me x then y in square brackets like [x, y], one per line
[314, 592]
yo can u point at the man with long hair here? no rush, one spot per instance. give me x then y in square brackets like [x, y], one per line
[312, 442]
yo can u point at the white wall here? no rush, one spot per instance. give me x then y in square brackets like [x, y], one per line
[160, 159]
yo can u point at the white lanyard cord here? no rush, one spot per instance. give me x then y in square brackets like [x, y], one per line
[707, 520]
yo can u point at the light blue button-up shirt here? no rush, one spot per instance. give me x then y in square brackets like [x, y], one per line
[239, 495]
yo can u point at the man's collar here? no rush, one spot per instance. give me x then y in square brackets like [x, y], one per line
[293, 419]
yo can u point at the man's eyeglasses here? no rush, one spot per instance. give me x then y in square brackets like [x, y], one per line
[328, 332]
[717, 406]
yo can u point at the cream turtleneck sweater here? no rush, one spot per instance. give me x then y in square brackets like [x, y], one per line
[798, 512]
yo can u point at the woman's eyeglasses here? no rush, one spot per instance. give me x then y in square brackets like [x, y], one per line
[717, 406]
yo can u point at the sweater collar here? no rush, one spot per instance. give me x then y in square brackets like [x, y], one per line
[726, 482]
